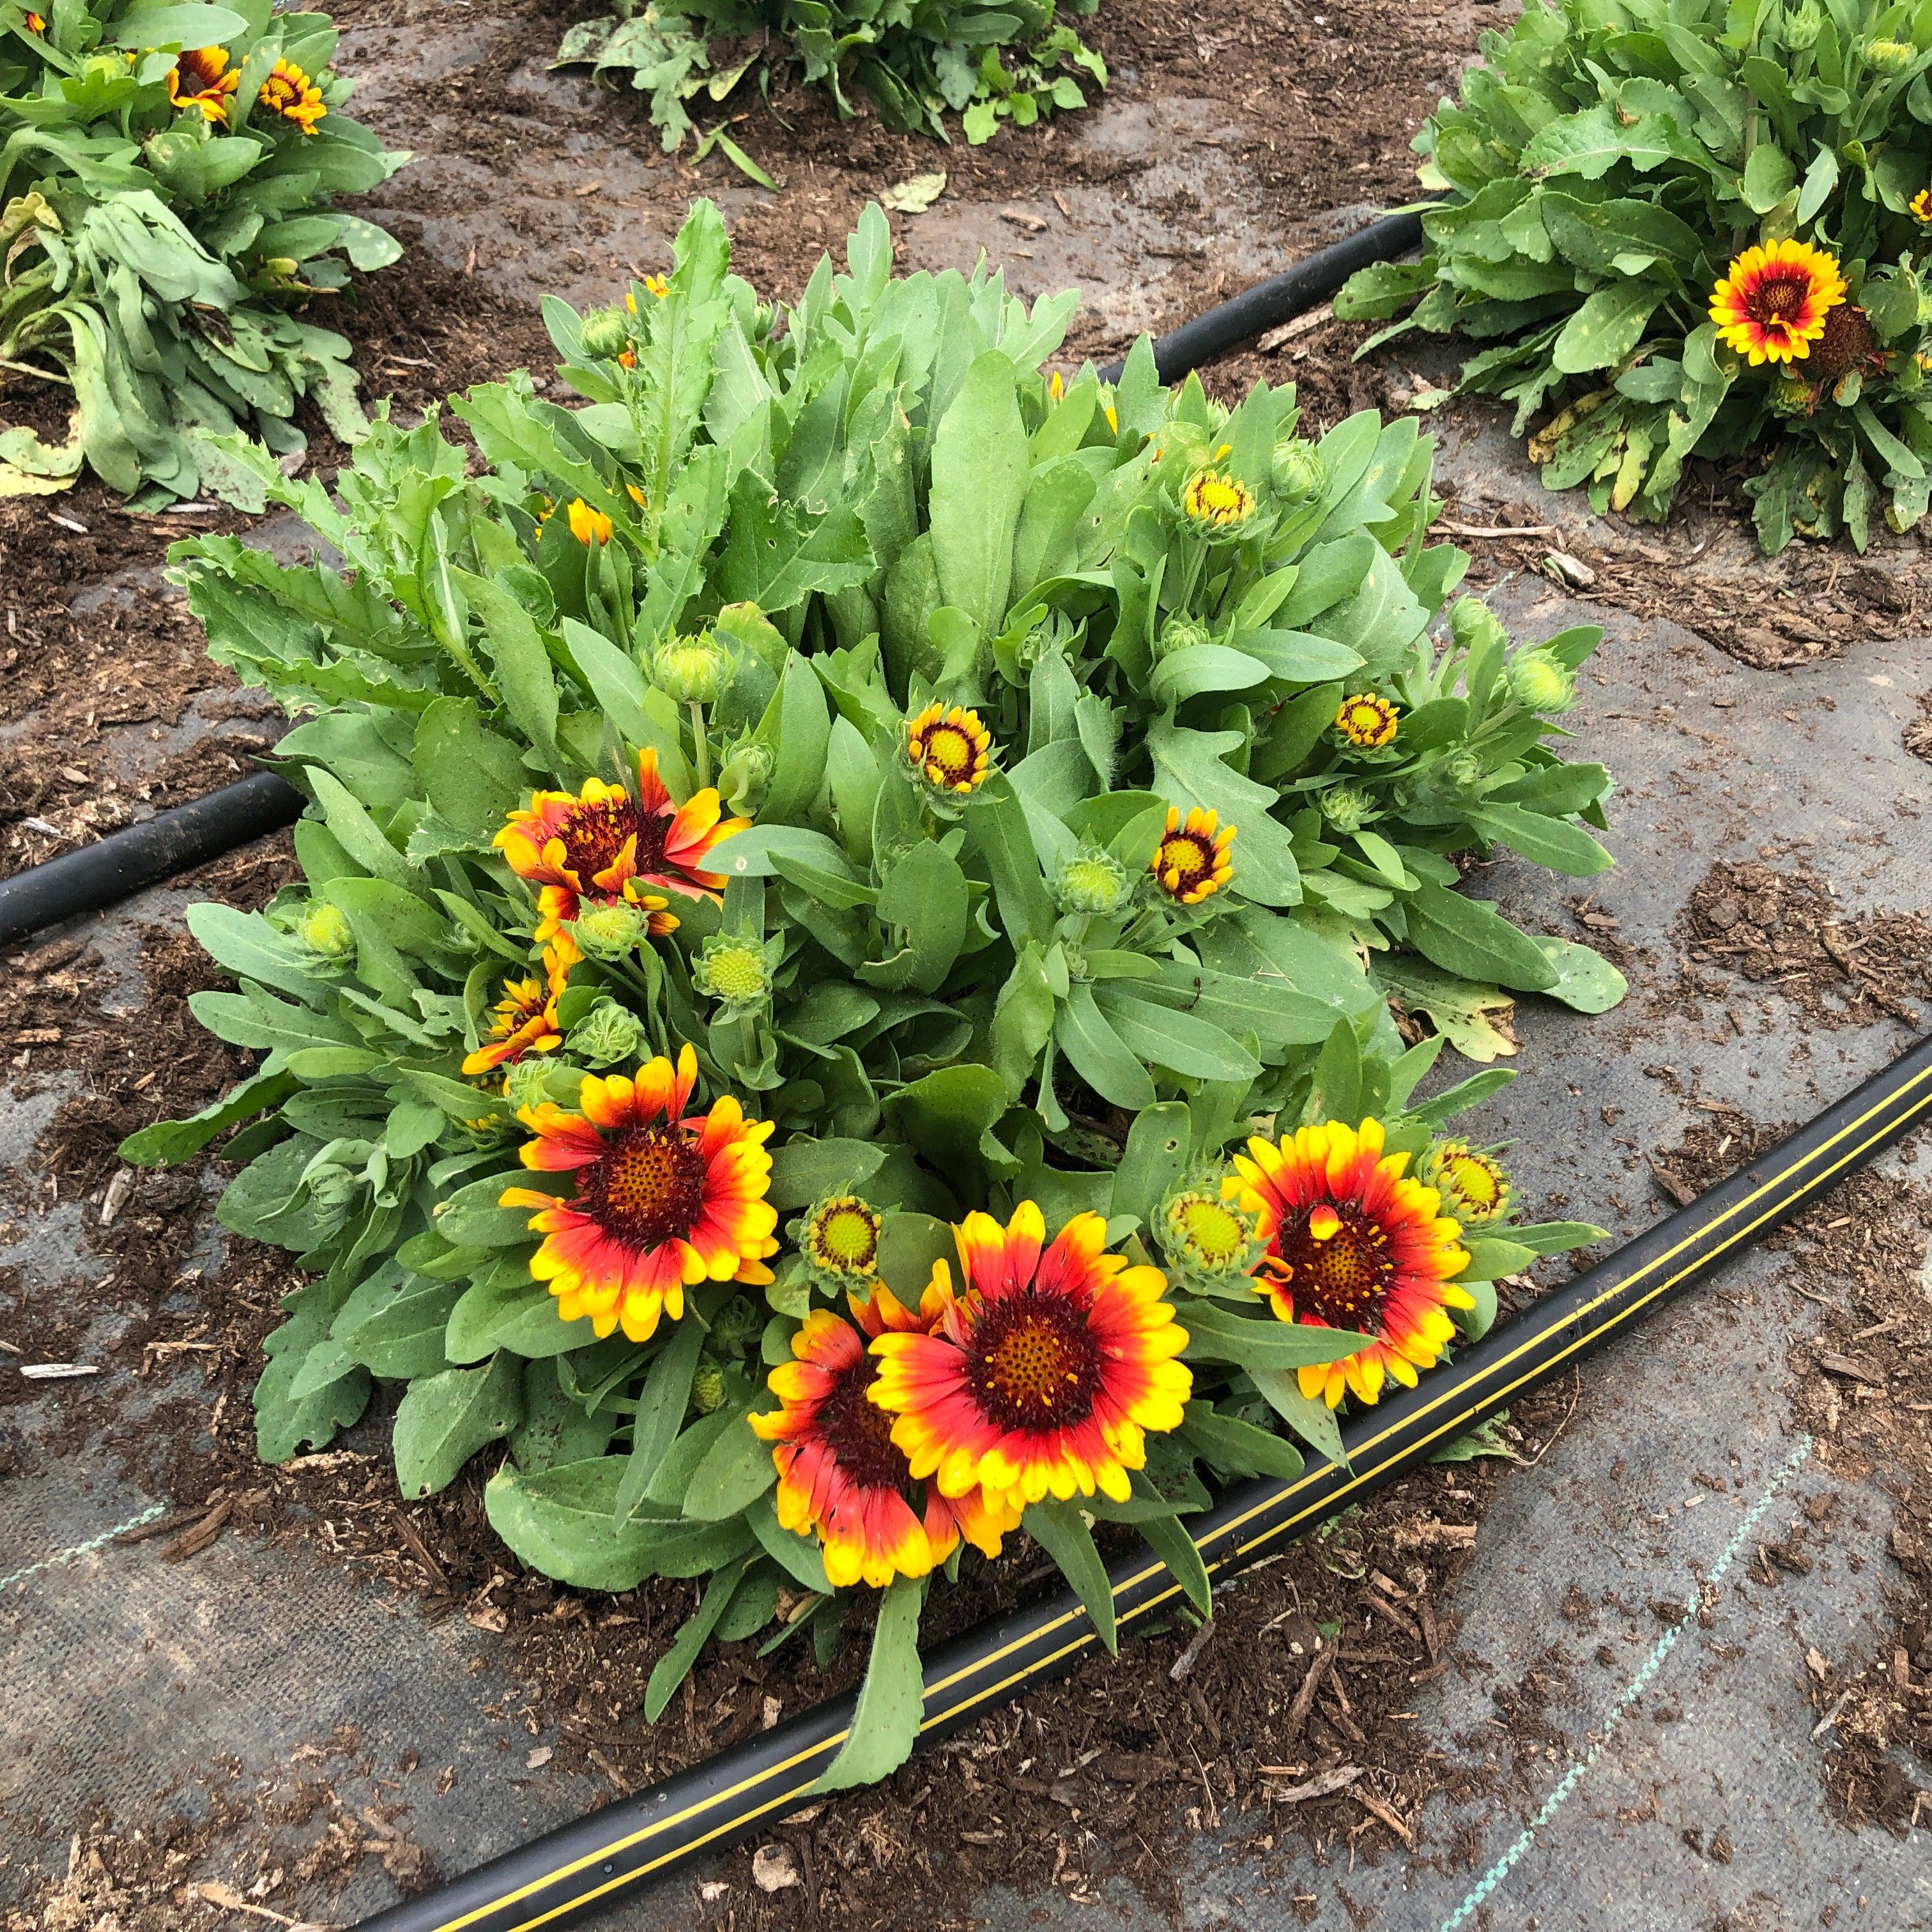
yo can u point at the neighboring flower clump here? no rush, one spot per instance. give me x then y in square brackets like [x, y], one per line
[917, 66]
[781, 976]
[168, 219]
[1702, 233]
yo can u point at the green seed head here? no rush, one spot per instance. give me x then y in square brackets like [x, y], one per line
[735, 971]
[1095, 883]
[1472, 622]
[609, 932]
[1541, 680]
[707, 1386]
[840, 1240]
[525, 1081]
[607, 1034]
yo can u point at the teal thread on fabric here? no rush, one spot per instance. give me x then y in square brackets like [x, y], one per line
[86, 1549]
[1480, 1892]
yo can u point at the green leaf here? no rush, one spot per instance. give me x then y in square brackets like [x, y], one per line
[1607, 327]
[1061, 1530]
[167, 1142]
[1158, 1149]
[284, 1423]
[1768, 177]
[443, 1420]
[1308, 1416]
[1584, 978]
[1556, 1238]
[885, 1723]
[1215, 1334]
[1542, 840]
[1475, 941]
[525, 675]
[1236, 1447]
[1167, 1537]
[980, 463]
[1492, 1258]
[662, 1405]
[671, 1669]
[736, 1470]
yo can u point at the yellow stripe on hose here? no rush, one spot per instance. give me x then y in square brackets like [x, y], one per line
[1793, 1179]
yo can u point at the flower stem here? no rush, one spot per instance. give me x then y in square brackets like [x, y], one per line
[701, 745]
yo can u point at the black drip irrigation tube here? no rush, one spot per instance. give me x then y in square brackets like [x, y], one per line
[587, 1865]
[116, 867]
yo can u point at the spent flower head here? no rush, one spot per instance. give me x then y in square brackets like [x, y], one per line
[707, 1385]
[610, 931]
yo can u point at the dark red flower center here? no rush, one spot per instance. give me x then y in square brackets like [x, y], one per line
[1191, 859]
[860, 1432]
[1777, 302]
[647, 1189]
[595, 832]
[1335, 1263]
[1034, 1363]
[948, 747]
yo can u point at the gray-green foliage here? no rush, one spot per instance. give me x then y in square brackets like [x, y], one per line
[169, 268]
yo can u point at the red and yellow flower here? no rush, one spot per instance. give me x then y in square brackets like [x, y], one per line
[289, 94]
[35, 23]
[841, 1474]
[1368, 721]
[951, 749]
[1353, 1243]
[525, 1020]
[201, 77]
[1045, 1375]
[1192, 859]
[601, 844]
[662, 1199]
[1921, 207]
[1772, 306]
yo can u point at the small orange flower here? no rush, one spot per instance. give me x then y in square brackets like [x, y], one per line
[526, 1016]
[952, 750]
[1192, 860]
[588, 526]
[200, 77]
[1354, 1244]
[1772, 306]
[1367, 721]
[653, 285]
[840, 1473]
[34, 24]
[1222, 504]
[289, 93]
[601, 844]
[1047, 1374]
[662, 1200]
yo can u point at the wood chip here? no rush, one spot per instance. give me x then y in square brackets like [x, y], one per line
[1304, 1697]
[1850, 1367]
[192, 1542]
[1494, 529]
[1376, 1808]
[1280, 337]
[1196, 1644]
[1323, 1784]
[57, 1372]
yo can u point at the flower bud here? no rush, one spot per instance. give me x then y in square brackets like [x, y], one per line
[526, 1082]
[1473, 1185]
[1465, 770]
[1298, 471]
[609, 932]
[606, 1033]
[1219, 507]
[1890, 56]
[839, 1240]
[736, 972]
[1095, 883]
[332, 1188]
[744, 772]
[736, 1323]
[707, 1386]
[690, 670]
[605, 333]
[1346, 808]
[325, 929]
[1180, 633]
[1802, 25]
[1541, 680]
[1471, 622]
[1204, 1234]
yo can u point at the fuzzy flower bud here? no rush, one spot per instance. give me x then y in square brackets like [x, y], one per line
[1298, 469]
[1465, 770]
[736, 1323]
[1180, 633]
[690, 670]
[744, 772]
[1890, 56]
[332, 1188]
[1472, 622]
[1217, 505]
[1095, 883]
[325, 929]
[1802, 25]
[607, 1034]
[707, 1386]
[1541, 679]
[1347, 809]
[736, 972]
[605, 334]
[609, 932]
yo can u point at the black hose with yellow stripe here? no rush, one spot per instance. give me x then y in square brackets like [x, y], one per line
[589, 1865]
